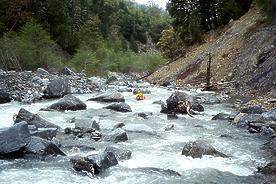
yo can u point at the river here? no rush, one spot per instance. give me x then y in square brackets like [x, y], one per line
[161, 151]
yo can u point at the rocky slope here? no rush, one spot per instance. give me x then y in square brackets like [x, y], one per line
[243, 57]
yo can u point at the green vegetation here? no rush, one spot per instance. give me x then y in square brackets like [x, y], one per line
[94, 35]
[268, 7]
[191, 19]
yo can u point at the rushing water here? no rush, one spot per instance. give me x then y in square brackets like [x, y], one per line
[162, 151]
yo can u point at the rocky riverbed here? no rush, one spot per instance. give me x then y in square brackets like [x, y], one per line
[83, 130]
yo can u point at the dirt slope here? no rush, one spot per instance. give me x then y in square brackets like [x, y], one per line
[244, 55]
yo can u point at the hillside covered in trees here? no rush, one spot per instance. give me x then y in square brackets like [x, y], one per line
[90, 36]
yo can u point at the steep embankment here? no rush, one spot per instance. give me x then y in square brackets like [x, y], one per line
[243, 55]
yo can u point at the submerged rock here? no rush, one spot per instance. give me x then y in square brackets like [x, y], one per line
[197, 149]
[270, 168]
[108, 96]
[33, 119]
[68, 102]
[221, 116]
[154, 170]
[117, 135]
[120, 107]
[14, 138]
[120, 154]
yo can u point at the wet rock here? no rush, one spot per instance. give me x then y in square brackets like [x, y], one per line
[139, 128]
[33, 119]
[81, 165]
[173, 100]
[159, 102]
[197, 107]
[102, 161]
[4, 97]
[14, 138]
[197, 149]
[58, 88]
[169, 127]
[68, 102]
[164, 108]
[68, 71]
[166, 84]
[154, 170]
[42, 147]
[243, 119]
[120, 154]
[84, 133]
[109, 96]
[42, 71]
[86, 123]
[252, 110]
[226, 136]
[270, 168]
[118, 125]
[221, 116]
[117, 135]
[206, 99]
[270, 115]
[144, 115]
[44, 133]
[120, 107]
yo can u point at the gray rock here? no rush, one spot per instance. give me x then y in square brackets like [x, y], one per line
[42, 147]
[159, 171]
[120, 107]
[197, 149]
[270, 169]
[139, 128]
[169, 127]
[221, 116]
[68, 71]
[58, 88]
[270, 115]
[166, 84]
[197, 107]
[33, 119]
[14, 138]
[243, 119]
[42, 71]
[252, 110]
[173, 100]
[111, 80]
[120, 154]
[109, 96]
[5, 97]
[206, 98]
[68, 102]
[44, 133]
[117, 135]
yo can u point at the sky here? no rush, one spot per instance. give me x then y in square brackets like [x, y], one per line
[161, 3]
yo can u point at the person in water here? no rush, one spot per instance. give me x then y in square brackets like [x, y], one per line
[140, 96]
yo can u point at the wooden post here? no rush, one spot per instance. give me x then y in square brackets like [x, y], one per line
[208, 75]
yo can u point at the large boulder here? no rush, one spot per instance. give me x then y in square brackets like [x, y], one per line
[173, 100]
[139, 128]
[120, 107]
[117, 135]
[58, 88]
[119, 153]
[4, 97]
[33, 119]
[42, 147]
[14, 138]
[108, 96]
[68, 102]
[197, 149]
[244, 119]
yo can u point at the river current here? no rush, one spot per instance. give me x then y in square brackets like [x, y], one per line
[161, 151]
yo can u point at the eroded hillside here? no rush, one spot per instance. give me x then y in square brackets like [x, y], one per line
[243, 54]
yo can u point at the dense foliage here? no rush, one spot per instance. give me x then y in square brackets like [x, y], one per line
[268, 6]
[96, 34]
[192, 18]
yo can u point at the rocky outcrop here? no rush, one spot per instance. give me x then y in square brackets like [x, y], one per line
[120, 107]
[197, 149]
[117, 135]
[108, 96]
[15, 138]
[33, 119]
[68, 102]
[58, 88]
